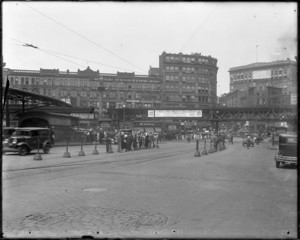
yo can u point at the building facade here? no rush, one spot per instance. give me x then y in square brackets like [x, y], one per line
[279, 74]
[188, 80]
[181, 81]
[267, 84]
[258, 96]
[81, 88]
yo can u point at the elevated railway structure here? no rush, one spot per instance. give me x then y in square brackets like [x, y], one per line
[224, 114]
[26, 101]
[253, 114]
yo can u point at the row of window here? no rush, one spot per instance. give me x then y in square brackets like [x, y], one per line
[79, 82]
[187, 98]
[62, 93]
[129, 95]
[201, 88]
[190, 70]
[191, 60]
[276, 72]
[123, 85]
[132, 80]
[188, 78]
[53, 82]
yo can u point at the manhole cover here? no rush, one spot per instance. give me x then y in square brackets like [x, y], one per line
[94, 189]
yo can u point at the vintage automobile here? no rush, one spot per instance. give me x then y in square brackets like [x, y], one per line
[24, 140]
[6, 133]
[245, 141]
[287, 150]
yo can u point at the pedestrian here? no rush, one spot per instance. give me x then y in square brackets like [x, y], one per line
[155, 140]
[107, 143]
[129, 142]
[188, 138]
[119, 139]
[146, 141]
[248, 142]
[123, 141]
[140, 138]
[135, 140]
[101, 136]
[150, 140]
[52, 136]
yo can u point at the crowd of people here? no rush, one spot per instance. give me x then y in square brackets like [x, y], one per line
[131, 142]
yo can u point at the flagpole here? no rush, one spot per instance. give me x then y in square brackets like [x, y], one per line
[256, 52]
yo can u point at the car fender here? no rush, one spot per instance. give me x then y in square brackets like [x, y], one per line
[23, 144]
[47, 142]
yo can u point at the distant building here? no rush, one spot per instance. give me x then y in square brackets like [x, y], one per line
[188, 80]
[280, 74]
[237, 98]
[256, 96]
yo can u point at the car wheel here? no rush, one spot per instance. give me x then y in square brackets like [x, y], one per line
[23, 150]
[47, 149]
[277, 164]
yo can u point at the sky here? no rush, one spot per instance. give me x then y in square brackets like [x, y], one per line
[130, 36]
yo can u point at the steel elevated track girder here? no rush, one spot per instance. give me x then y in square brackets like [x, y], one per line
[254, 114]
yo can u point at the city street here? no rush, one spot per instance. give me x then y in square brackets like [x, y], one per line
[161, 192]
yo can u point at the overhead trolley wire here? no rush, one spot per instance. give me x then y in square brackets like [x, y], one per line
[191, 38]
[53, 53]
[80, 35]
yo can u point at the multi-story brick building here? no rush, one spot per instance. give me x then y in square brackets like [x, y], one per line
[256, 96]
[81, 88]
[279, 74]
[268, 84]
[188, 80]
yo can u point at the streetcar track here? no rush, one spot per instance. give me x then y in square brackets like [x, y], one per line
[96, 161]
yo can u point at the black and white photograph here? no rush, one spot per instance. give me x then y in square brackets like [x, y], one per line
[141, 119]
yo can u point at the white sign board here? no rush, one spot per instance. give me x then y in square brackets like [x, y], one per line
[175, 113]
[262, 74]
[150, 113]
[83, 115]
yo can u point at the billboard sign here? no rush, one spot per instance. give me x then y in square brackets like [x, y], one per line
[262, 74]
[175, 113]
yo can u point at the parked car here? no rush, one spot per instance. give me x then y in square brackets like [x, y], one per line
[287, 150]
[24, 140]
[245, 142]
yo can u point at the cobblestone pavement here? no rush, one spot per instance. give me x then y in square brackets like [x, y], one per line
[165, 192]
[91, 220]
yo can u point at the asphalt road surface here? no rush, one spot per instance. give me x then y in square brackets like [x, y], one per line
[164, 192]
